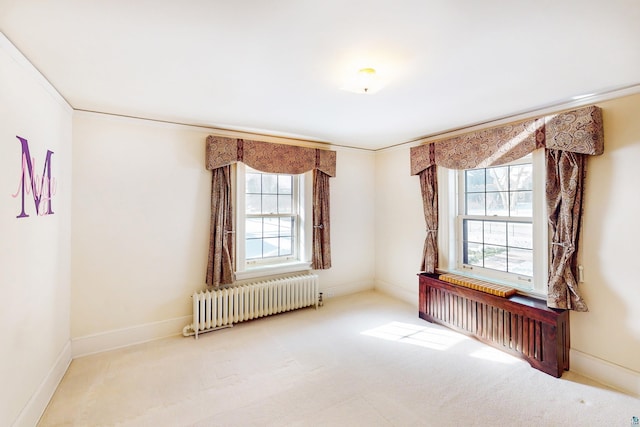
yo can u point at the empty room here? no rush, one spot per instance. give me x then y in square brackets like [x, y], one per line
[334, 213]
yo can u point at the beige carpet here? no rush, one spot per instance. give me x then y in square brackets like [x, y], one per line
[361, 360]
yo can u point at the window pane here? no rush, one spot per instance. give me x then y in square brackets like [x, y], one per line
[286, 226]
[495, 257]
[285, 203]
[473, 254]
[521, 261]
[286, 244]
[473, 231]
[495, 233]
[252, 182]
[521, 177]
[269, 204]
[253, 248]
[253, 204]
[522, 204]
[497, 204]
[475, 180]
[520, 235]
[285, 184]
[269, 183]
[253, 228]
[270, 227]
[475, 204]
[270, 247]
[498, 179]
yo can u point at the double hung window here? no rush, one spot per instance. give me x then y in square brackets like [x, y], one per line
[499, 225]
[271, 220]
[497, 222]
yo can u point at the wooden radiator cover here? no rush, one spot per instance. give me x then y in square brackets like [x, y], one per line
[519, 325]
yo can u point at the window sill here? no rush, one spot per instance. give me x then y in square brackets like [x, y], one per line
[271, 270]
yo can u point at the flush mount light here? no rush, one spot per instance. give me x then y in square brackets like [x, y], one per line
[365, 81]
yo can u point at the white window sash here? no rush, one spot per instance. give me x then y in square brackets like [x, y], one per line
[300, 260]
[450, 204]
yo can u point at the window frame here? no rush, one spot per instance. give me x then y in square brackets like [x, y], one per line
[300, 260]
[450, 234]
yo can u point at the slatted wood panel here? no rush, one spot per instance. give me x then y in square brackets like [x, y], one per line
[519, 325]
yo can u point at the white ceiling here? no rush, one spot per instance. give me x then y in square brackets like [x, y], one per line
[277, 66]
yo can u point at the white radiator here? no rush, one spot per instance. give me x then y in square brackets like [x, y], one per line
[221, 308]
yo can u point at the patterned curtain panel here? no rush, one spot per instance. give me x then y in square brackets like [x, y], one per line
[429, 188]
[321, 257]
[567, 137]
[565, 183]
[270, 158]
[221, 261]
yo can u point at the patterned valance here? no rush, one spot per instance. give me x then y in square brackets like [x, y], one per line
[578, 131]
[268, 157]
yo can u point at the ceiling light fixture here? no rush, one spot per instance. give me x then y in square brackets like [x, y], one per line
[365, 81]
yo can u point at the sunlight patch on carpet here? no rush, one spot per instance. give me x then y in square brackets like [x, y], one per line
[423, 336]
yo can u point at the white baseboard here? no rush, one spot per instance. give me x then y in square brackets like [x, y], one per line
[35, 407]
[118, 338]
[604, 372]
[346, 288]
[401, 293]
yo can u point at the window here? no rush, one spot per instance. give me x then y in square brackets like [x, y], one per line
[271, 222]
[270, 216]
[497, 223]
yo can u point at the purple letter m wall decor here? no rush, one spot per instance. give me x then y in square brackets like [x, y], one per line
[41, 191]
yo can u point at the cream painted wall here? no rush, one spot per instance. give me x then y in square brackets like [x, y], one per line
[610, 233]
[352, 225]
[400, 227]
[610, 331]
[141, 222]
[34, 251]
